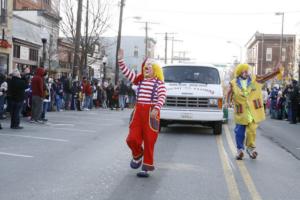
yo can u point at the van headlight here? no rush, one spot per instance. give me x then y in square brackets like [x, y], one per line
[213, 102]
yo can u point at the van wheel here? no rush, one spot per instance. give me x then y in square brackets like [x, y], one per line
[217, 128]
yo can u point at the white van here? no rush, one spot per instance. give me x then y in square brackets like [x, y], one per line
[194, 96]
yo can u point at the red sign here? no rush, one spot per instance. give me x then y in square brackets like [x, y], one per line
[4, 44]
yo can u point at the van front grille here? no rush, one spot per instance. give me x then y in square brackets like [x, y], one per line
[187, 102]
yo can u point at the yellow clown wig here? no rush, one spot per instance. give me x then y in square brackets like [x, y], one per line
[241, 68]
[157, 70]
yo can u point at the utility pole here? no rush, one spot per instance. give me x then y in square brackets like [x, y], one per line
[77, 39]
[262, 54]
[172, 55]
[166, 44]
[166, 48]
[281, 38]
[86, 71]
[146, 40]
[119, 41]
[146, 35]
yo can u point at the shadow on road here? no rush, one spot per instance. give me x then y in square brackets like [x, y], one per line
[187, 130]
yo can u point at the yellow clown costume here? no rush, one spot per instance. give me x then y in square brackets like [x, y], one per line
[248, 109]
[246, 93]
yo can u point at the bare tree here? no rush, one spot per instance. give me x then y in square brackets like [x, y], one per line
[99, 15]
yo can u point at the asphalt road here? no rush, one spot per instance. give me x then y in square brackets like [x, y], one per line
[83, 155]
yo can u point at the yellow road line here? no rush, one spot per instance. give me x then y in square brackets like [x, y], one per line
[229, 177]
[242, 167]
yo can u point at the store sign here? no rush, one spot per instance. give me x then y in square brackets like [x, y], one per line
[24, 53]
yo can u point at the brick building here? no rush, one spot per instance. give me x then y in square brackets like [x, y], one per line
[32, 4]
[66, 56]
[44, 13]
[263, 52]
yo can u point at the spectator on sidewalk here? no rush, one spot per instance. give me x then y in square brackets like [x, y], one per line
[67, 88]
[131, 96]
[3, 90]
[47, 99]
[103, 95]
[16, 88]
[58, 94]
[37, 85]
[123, 91]
[279, 106]
[273, 97]
[110, 93]
[265, 98]
[87, 91]
[77, 92]
[294, 101]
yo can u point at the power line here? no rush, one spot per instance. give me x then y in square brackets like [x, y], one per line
[217, 13]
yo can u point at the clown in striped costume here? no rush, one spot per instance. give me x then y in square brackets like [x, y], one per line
[144, 123]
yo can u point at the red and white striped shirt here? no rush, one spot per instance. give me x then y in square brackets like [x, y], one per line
[150, 91]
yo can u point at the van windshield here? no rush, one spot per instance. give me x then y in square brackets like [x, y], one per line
[191, 74]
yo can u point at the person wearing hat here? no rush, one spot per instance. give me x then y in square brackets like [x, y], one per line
[16, 88]
[144, 123]
[246, 93]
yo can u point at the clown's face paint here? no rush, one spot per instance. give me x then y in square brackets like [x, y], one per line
[245, 74]
[148, 70]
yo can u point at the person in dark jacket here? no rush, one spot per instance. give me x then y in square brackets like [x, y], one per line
[123, 91]
[16, 88]
[294, 101]
[110, 92]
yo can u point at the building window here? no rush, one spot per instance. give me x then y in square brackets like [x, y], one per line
[47, 2]
[33, 55]
[3, 11]
[3, 63]
[136, 51]
[269, 55]
[17, 51]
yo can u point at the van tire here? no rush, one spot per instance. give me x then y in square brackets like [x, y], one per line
[217, 128]
[162, 124]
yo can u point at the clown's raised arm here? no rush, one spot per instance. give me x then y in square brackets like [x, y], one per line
[129, 74]
[151, 87]
[263, 78]
[241, 72]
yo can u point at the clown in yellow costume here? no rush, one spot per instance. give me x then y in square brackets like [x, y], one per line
[246, 93]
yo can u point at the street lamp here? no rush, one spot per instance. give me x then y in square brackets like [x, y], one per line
[104, 62]
[44, 36]
[241, 49]
[281, 38]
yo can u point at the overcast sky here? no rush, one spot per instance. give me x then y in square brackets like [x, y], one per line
[206, 27]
